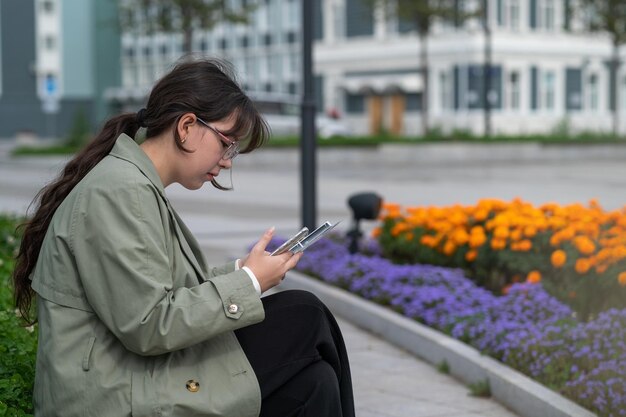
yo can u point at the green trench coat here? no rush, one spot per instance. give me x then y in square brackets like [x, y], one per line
[131, 321]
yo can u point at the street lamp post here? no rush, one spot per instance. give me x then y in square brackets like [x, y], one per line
[307, 125]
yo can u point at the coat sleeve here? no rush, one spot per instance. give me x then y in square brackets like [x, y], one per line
[119, 244]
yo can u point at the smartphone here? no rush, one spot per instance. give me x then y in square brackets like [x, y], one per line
[312, 237]
[291, 241]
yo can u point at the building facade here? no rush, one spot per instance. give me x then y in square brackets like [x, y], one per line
[546, 72]
[57, 57]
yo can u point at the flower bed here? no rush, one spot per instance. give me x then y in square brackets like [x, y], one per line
[577, 252]
[526, 329]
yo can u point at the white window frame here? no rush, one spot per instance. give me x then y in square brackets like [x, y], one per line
[593, 92]
[514, 101]
[548, 90]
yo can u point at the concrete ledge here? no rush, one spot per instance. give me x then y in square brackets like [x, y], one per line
[509, 387]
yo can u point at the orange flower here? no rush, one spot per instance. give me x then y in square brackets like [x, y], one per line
[449, 247]
[582, 265]
[584, 245]
[471, 255]
[376, 232]
[533, 277]
[477, 239]
[399, 228]
[530, 231]
[498, 244]
[525, 245]
[516, 235]
[501, 232]
[558, 258]
[460, 236]
[506, 289]
[621, 278]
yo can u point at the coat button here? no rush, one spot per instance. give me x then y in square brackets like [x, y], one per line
[233, 308]
[193, 386]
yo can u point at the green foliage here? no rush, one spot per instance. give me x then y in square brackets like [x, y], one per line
[18, 344]
[480, 389]
[80, 132]
[444, 367]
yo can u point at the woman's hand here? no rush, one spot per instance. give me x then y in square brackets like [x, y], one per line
[269, 270]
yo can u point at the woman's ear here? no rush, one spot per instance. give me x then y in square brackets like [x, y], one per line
[184, 124]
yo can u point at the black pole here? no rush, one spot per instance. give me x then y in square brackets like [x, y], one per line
[307, 116]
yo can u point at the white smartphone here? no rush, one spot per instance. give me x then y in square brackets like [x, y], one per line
[312, 237]
[291, 241]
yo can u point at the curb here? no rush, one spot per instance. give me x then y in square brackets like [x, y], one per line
[509, 387]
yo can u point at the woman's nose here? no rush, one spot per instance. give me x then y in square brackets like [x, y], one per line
[226, 163]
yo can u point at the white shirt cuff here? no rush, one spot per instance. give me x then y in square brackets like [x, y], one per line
[253, 278]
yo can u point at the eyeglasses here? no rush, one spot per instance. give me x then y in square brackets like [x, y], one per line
[232, 146]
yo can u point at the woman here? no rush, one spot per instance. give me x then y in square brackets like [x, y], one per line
[131, 320]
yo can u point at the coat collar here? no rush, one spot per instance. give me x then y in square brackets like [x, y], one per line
[127, 149]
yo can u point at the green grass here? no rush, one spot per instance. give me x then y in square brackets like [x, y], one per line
[585, 138]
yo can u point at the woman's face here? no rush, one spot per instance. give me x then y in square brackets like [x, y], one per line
[208, 145]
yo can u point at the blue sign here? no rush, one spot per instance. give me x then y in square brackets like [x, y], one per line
[50, 85]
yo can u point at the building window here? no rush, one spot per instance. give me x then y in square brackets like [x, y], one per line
[291, 37]
[359, 19]
[593, 92]
[548, 90]
[514, 91]
[223, 43]
[129, 53]
[267, 87]
[146, 51]
[245, 42]
[47, 6]
[514, 14]
[292, 88]
[444, 90]
[413, 101]
[548, 15]
[49, 42]
[163, 49]
[267, 39]
[355, 103]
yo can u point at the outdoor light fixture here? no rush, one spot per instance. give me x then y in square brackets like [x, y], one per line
[364, 206]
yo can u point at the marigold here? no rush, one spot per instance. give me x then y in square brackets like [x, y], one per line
[525, 245]
[584, 245]
[558, 258]
[621, 278]
[501, 232]
[533, 277]
[530, 231]
[498, 244]
[477, 240]
[471, 255]
[582, 265]
[376, 232]
[516, 235]
[449, 247]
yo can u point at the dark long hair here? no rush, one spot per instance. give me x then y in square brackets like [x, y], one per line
[206, 88]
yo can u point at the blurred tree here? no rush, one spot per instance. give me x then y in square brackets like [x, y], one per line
[609, 16]
[421, 14]
[181, 16]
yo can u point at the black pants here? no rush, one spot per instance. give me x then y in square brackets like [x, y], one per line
[299, 358]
